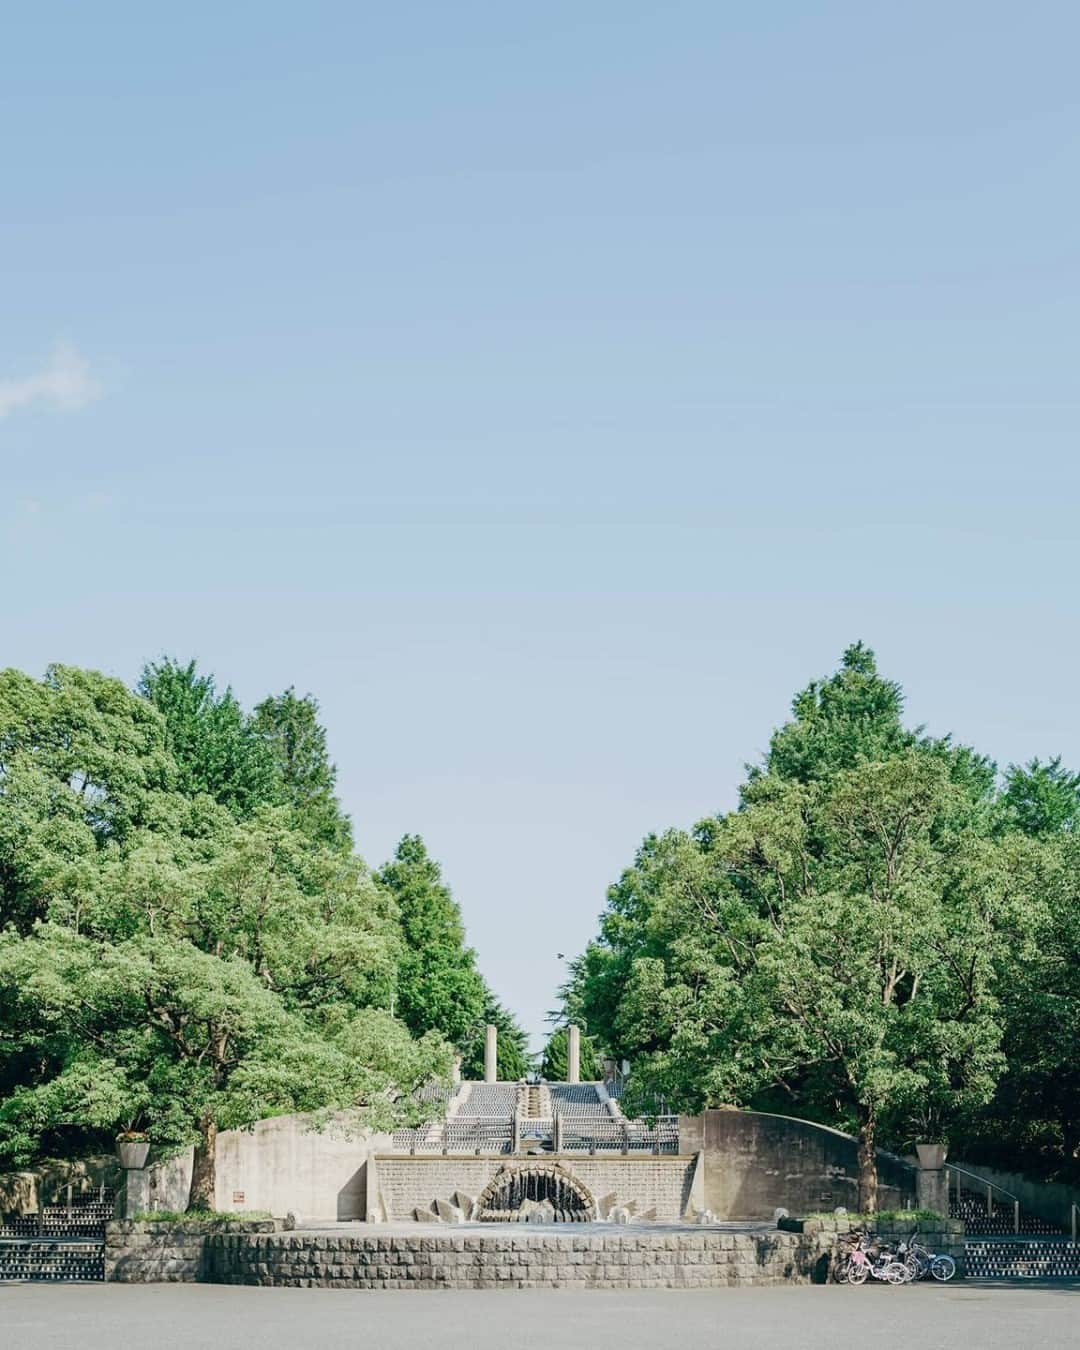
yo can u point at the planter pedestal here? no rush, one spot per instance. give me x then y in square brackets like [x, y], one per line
[932, 1182]
[133, 1155]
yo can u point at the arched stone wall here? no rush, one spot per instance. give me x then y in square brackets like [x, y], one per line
[537, 1183]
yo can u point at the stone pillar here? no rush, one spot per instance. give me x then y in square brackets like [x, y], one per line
[491, 1055]
[573, 1054]
[136, 1191]
[932, 1180]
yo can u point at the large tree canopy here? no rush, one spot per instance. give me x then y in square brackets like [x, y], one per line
[187, 941]
[846, 945]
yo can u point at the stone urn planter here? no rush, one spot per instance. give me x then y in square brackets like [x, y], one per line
[132, 1153]
[932, 1156]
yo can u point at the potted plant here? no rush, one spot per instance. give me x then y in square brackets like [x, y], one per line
[930, 1123]
[132, 1148]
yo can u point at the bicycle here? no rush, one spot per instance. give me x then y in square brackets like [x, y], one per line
[866, 1260]
[921, 1261]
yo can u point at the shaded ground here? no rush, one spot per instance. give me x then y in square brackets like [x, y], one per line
[213, 1317]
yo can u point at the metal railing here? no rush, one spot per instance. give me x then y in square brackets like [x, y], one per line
[991, 1187]
[571, 1134]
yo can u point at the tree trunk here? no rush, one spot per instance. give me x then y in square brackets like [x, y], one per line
[204, 1168]
[867, 1168]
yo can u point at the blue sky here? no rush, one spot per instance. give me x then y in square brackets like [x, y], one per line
[550, 390]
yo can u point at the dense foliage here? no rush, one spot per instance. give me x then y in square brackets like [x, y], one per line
[879, 937]
[187, 940]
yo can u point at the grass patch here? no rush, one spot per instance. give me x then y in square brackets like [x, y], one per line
[885, 1216]
[210, 1216]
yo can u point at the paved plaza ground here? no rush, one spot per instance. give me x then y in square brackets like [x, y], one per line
[209, 1317]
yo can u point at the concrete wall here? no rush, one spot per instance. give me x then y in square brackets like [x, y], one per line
[660, 1184]
[280, 1165]
[1046, 1199]
[755, 1163]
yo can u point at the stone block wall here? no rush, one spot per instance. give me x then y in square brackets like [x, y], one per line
[146, 1252]
[944, 1237]
[648, 1183]
[567, 1260]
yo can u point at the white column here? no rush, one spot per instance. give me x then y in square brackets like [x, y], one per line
[573, 1054]
[491, 1055]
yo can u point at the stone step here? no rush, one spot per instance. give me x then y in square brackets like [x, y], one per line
[21, 1259]
[998, 1219]
[1022, 1259]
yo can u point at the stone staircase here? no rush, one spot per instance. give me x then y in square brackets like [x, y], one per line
[51, 1259]
[60, 1242]
[994, 1250]
[534, 1101]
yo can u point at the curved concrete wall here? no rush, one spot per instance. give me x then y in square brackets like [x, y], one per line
[755, 1163]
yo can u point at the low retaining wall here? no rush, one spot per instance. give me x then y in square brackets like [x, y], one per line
[944, 1237]
[598, 1257]
[657, 1187]
[147, 1252]
[637, 1260]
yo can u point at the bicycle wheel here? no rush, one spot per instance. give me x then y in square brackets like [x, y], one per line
[914, 1268]
[943, 1268]
[897, 1273]
[857, 1272]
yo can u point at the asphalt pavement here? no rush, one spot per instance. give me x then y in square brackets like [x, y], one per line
[963, 1316]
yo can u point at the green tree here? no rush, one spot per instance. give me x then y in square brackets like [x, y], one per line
[1041, 799]
[833, 945]
[165, 961]
[162, 1034]
[553, 1065]
[853, 715]
[216, 748]
[439, 987]
[289, 727]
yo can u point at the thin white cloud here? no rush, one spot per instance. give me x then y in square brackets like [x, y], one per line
[65, 382]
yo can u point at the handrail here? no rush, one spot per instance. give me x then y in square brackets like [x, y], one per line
[991, 1187]
[951, 1167]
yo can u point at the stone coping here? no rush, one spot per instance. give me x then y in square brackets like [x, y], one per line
[567, 1159]
[407, 1228]
[844, 1223]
